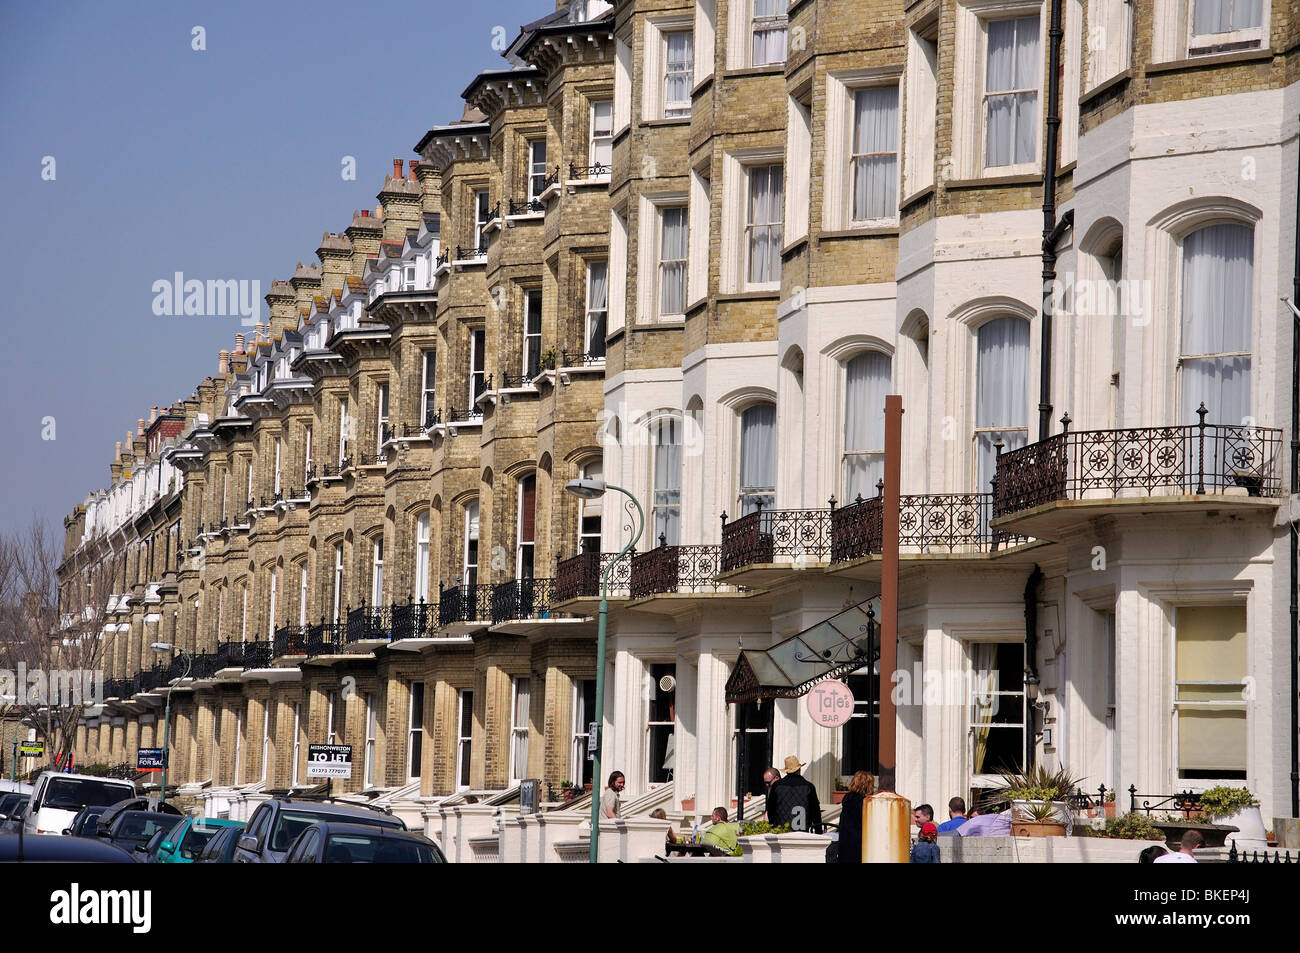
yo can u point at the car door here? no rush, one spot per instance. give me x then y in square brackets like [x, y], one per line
[258, 827]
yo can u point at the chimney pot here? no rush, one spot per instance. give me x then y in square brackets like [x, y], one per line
[139, 426]
[411, 172]
[397, 168]
[365, 213]
[223, 361]
[239, 343]
[119, 450]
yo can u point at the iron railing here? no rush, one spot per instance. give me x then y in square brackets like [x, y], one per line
[465, 604]
[588, 171]
[522, 599]
[584, 358]
[1097, 464]
[228, 655]
[579, 576]
[368, 622]
[176, 668]
[472, 253]
[526, 206]
[1244, 856]
[472, 414]
[1186, 801]
[444, 257]
[117, 688]
[259, 654]
[415, 620]
[552, 178]
[927, 522]
[674, 569]
[324, 638]
[762, 536]
[289, 640]
[373, 459]
[204, 665]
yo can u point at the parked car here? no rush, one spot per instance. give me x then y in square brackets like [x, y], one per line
[186, 840]
[334, 843]
[221, 849]
[59, 850]
[15, 787]
[17, 814]
[86, 821]
[8, 802]
[277, 823]
[132, 829]
[148, 853]
[58, 797]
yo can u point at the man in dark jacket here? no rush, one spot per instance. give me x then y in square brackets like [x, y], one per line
[793, 800]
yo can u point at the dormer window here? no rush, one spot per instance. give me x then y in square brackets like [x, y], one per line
[408, 277]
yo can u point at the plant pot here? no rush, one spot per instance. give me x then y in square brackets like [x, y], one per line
[1037, 829]
[1250, 832]
[688, 804]
[1110, 809]
[837, 797]
[1027, 811]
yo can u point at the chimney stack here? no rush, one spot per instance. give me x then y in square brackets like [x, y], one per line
[118, 453]
[223, 362]
[139, 426]
[239, 343]
[397, 168]
[411, 169]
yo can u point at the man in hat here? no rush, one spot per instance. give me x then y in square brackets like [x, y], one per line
[793, 800]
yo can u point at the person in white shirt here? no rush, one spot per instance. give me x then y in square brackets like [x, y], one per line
[1191, 840]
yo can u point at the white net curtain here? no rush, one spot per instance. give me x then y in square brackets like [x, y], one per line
[1218, 282]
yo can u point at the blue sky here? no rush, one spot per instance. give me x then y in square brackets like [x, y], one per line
[223, 163]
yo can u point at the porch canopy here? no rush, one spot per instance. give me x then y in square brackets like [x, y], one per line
[832, 648]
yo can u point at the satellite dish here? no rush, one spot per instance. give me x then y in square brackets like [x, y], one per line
[667, 683]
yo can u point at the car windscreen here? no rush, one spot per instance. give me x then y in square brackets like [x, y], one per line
[72, 794]
[196, 838]
[89, 822]
[292, 823]
[362, 849]
[140, 825]
[8, 802]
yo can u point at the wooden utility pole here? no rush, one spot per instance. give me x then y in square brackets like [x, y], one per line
[889, 590]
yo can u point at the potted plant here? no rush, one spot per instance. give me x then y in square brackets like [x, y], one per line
[547, 362]
[1108, 806]
[1037, 796]
[1235, 806]
[841, 789]
[569, 791]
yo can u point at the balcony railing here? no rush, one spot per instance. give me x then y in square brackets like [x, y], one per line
[289, 640]
[674, 569]
[444, 257]
[471, 253]
[526, 206]
[766, 535]
[1098, 464]
[522, 599]
[176, 669]
[324, 638]
[927, 523]
[204, 665]
[588, 171]
[454, 415]
[584, 358]
[259, 654]
[228, 655]
[465, 604]
[415, 620]
[368, 622]
[117, 688]
[378, 458]
[579, 576]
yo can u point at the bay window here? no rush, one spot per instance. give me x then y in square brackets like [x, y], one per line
[597, 308]
[768, 29]
[1210, 652]
[428, 399]
[415, 732]
[757, 458]
[589, 511]
[526, 527]
[377, 571]
[1214, 358]
[532, 342]
[519, 714]
[421, 588]
[679, 65]
[1011, 77]
[469, 571]
[584, 715]
[666, 506]
[763, 224]
[464, 737]
[600, 143]
[874, 155]
[1221, 26]
[1001, 393]
[866, 383]
[536, 168]
[672, 260]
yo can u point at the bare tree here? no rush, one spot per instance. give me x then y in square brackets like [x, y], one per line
[52, 644]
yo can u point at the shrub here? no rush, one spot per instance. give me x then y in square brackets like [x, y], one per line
[1133, 826]
[1225, 801]
[762, 827]
[1038, 784]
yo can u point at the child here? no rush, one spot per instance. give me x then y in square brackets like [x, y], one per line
[925, 850]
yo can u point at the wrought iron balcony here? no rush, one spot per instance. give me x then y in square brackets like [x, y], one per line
[526, 206]
[552, 178]
[584, 358]
[465, 604]
[368, 459]
[1196, 459]
[454, 415]
[259, 654]
[766, 535]
[176, 669]
[367, 622]
[579, 576]
[324, 638]
[204, 665]
[150, 679]
[289, 640]
[228, 655]
[522, 599]
[588, 171]
[519, 380]
[444, 257]
[667, 569]
[930, 522]
[117, 688]
[415, 620]
[471, 253]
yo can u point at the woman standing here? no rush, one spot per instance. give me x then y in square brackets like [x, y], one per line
[861, 787]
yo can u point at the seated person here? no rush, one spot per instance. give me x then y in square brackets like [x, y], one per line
[723, 835]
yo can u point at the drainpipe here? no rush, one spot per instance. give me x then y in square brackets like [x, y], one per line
[1031, 652]
[1052, 230]
[1295, 531]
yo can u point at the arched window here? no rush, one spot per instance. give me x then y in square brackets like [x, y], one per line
[1214, 349]
[377, 571]
[757, 458]
[421, 589]
[1001, 392]
[866, 382]
[589, 511]
[527, 527]
[470, 564]
[666, 509]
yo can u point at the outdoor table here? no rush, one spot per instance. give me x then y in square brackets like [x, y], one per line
[693, 850]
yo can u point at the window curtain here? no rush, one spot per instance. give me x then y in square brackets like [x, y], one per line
[757, 458]
[1002, 392]
[667, 481]
[866, 383]
[519, 740]
[602, 129]
[769, 32]
[1224, 16]
[597, 307]
[1011, 130]
[677, 75]
[875, 150]
[1218, 281]
[766, 207]
[672, 256]
[985, 682]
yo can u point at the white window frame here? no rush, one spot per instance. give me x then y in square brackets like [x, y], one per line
[270, 618]
[338, 580]
[297, 741]
[525, 548]
[412, 732]
[477, 375]
[421, 588]
[428, 382]
[343, 430]
[381, 415]
[331, 698]
[837, 179]
[602, 140]
[767, 495]
[302, 593]
[464, 737]
[519, 733]
[851, 176]
[243, 619]
[1210, 44]
[779, 21]
[482, 210]
[647, 746]
[278, 443]
[536, 179]
[591, 470]
[306, 464]
[532, 332]
[1198, 602]
[752, 227]
[377, 571]
[676, 109]
[266, 736]
[659, 262]
[596, 314]
[581, 732]
[368, 779]
[655, 424]
[988, 779]
[1013, 167]
[466, 565]
[976, 431]
[654, 66]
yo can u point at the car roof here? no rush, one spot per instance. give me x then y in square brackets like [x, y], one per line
[367, 830]
[87, 777]
[369, 816]
[15, 787]
[214, 822]
[61, 850]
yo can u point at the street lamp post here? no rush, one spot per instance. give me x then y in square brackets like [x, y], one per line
[590, 490]
[167, 717]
